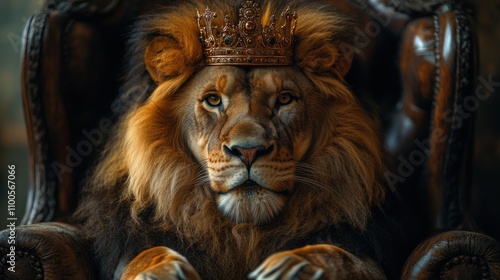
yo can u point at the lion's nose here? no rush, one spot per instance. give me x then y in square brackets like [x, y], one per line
[248, 154]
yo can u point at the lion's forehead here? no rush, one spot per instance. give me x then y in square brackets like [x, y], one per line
[231, 80]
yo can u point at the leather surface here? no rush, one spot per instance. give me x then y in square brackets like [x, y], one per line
[455, 255]
[46, 251]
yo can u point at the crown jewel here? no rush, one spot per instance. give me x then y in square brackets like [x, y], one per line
[249, 42]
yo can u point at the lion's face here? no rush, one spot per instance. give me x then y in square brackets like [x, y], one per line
[214, 151]
[248, 128]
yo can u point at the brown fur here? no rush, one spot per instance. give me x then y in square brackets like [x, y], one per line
[149, 153]
[334, 263]
[156, 260]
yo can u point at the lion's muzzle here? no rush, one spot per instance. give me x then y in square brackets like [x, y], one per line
[248, 188]
[248, 154]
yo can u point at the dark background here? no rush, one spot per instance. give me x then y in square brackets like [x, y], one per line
[486, 193]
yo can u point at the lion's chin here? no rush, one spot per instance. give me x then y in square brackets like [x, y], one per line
[256, 204]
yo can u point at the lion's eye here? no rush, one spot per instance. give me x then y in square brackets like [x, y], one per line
[284, 99]
[213, 100]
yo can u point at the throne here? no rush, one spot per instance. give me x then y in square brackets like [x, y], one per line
[416, 61]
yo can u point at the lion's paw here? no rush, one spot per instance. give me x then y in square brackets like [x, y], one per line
[173, 270]
[320, 261]
[160, 263]
[286, 265]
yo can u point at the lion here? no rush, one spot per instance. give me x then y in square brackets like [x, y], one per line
[229, 172]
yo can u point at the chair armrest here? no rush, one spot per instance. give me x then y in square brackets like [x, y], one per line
[44, 251]
[455, 255]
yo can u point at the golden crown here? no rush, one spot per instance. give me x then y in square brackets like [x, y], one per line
[249, 42]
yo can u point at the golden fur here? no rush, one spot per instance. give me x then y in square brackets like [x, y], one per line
[336, 180]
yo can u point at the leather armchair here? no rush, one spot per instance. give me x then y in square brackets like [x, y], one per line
[415, 59]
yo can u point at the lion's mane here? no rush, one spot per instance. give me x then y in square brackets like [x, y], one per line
[147, 173]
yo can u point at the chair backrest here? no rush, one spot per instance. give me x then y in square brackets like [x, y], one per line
[415, 60]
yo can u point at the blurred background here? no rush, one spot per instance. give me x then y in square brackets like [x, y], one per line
[13, 143]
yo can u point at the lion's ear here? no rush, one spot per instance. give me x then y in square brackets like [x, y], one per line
[324, 57]
[324, 45]
[344, 63]
[167, 57]
[154, 57]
